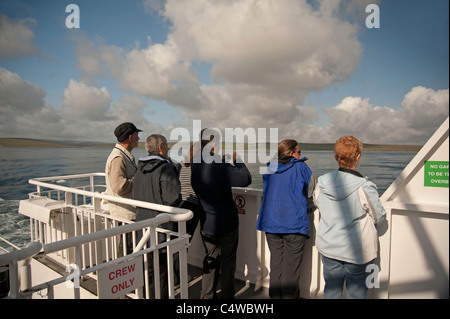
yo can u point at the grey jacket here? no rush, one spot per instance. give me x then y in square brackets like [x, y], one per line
[156, 181]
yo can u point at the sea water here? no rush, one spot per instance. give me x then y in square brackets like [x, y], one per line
[18, 165]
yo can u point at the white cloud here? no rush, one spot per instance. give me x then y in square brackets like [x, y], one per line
[95, 58]
[24, 111]
[155, 70]
[422, 111]
[17, 96]
[16, 38]
[265, 57]
[87, 101]
[424, 107]
[282, 45]
[87, 113]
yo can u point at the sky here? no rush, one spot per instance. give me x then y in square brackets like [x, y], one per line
[313, 69]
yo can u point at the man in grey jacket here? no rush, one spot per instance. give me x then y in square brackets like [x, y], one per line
[157, 181]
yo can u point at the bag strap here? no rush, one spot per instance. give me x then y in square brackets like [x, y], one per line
[367, 205]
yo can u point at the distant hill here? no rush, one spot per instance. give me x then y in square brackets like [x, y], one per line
[389, 147]
[36, 143]
[366, 147]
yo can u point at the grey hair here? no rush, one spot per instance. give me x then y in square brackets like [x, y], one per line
[153, 142]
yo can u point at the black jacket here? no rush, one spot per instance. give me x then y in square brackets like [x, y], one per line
[212, 184]
[156, 181]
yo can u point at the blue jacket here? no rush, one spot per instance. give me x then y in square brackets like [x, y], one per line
[284, 209]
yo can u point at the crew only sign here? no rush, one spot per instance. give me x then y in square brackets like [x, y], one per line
[120, 279]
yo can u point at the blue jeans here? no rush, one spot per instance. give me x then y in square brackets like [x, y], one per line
[336, 272]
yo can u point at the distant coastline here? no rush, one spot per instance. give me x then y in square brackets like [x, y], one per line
[37, 143]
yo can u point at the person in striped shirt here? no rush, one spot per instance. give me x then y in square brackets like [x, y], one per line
[188, 196]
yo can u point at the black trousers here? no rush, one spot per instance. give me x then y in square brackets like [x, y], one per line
[286, 254]
[191, 224]
[219, 263]
[162, 253]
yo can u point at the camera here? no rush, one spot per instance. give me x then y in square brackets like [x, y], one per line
[227, 158]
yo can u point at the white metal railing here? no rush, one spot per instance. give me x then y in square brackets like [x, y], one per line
[17, 260]
[73, 226]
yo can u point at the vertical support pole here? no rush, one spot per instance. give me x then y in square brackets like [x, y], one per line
[78, 258]
[25, 276]
[156, 270]
[184, 270]
[170, 281]
[13, 280]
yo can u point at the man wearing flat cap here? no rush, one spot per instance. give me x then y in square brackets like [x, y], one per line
[120, 169]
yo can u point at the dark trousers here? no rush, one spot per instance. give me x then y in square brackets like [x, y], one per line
[286, 254]
[162, 253]
[219, 263]
[191, 224]
[163, 275]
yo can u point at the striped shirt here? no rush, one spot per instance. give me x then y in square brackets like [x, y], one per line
[187, 193]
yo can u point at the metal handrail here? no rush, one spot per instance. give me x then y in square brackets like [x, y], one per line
[168, 214]
[101, 234]
[30, 250]
[42, 182]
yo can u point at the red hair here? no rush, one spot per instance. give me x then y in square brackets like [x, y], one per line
[346, 151]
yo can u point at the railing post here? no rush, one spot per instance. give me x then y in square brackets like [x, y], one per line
[183, 272]
[50, 292]
[97, 204]
[13, 280]
[182, 255]
[78, 258]
[170, 281]
[68, 198]
[156, 270]
[24, 267]
[91, 180]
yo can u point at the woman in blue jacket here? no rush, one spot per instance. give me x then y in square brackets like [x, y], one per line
[288, 196]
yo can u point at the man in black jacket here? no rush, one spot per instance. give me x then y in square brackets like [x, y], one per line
[156, 181]
[212, 180]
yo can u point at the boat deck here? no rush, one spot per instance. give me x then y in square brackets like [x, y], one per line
[72, 224]
[244, 290]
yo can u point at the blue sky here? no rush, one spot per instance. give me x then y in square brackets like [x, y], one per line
[311, 68]
[409, 49]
